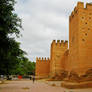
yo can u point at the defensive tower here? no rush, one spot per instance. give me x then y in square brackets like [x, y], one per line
[57, 50]
[80, 38]
[42, 67]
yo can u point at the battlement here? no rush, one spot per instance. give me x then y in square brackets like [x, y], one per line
[42, 59]
[89, 6]
[42, 67]
[60, 42]
[80, 5]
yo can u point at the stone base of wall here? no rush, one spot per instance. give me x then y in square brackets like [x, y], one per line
[71, 85]
[73, 80]
[63, 74]
[74, 77]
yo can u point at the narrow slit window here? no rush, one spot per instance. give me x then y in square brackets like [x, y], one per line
[86, 34]
[89, 17]
[83, 40]
[88, 28]
[86, 23]
[82, 17]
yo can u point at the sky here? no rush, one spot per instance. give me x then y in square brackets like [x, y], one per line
[43, 21]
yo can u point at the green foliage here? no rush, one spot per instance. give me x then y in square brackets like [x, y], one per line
[25, 67]
[9, 22]
[11, 56]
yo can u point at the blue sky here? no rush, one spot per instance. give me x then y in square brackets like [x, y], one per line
[43, 21]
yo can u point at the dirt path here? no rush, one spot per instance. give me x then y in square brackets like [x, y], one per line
[28, 86]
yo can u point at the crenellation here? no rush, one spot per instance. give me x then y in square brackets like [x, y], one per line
[80, 5]
[36, 58]
[62, 41]
[89, 6]
[54, 41]
[42, 59]
[58, 41]
[48, 58]
[39, 58]
[72, 14]
[45, 58]
[75, 9]
[66, 42]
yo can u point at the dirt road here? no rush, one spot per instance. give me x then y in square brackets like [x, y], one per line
[29, 86]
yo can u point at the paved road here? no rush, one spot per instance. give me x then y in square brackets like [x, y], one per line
[29, 86]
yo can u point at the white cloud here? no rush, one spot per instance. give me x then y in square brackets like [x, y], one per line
[43, 21]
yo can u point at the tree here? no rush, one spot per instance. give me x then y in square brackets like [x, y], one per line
[25, 67]
[10, 23]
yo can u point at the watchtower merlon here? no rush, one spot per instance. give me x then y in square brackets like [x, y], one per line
[42, 59]
[60, 43]
[80, 6]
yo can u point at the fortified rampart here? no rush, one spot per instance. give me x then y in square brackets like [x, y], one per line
[77, 60]
[57, 51]
[65, 61]
[42, 67]
[80, 38]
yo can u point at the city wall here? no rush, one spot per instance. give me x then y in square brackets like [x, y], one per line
[77, 59]
[58, 49]
[42, 67]
[80, 42]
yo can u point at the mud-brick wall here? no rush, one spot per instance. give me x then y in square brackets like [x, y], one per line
[80, 38]
[42, 67]
[58, 49]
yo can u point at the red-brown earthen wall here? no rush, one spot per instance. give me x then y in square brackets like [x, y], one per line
[42, 67]
[80, 38]
[57, 51]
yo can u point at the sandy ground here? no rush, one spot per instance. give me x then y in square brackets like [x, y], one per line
[38, 86]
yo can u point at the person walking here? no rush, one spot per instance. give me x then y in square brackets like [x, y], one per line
[33, 78]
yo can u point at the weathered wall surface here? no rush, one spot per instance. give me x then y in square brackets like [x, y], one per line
[65, 61]
[73, 40]
[80, 38]
[42, 67]
[57, 51]
[77, 60]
